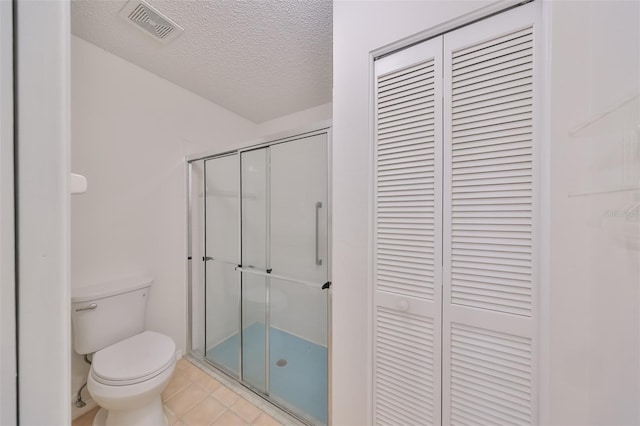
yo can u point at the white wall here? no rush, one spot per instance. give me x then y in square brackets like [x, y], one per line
[8, 407]
[358, 28]
[130, 133]
[595, 243]
[307, 117]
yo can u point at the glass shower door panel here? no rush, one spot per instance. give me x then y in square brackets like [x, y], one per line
[254, 339]
[222, 293]
[298, 362]
[222, 286]
[298, 367]
[222, 208]
[299, 211]
[284, 266]
[255, 201]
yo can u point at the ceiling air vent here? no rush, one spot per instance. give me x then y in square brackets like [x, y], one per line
[154, 23]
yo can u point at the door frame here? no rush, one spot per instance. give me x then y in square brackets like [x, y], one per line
[8, 353]
[42, 204]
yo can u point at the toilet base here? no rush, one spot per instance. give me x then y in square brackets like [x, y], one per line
[151, 414]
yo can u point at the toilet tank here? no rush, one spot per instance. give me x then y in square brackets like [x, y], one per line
[104, 314]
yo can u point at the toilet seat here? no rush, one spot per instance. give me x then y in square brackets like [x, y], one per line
[133, 360]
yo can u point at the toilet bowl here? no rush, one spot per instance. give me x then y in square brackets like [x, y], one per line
[126, 380]
[130, 367]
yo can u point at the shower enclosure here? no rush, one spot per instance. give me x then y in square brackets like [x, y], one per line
[264, 240]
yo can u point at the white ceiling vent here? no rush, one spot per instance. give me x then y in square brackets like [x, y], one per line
[154, 23]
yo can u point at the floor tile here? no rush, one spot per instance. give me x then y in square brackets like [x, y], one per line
[229, 418]
[178, 382]
[87, 418]
[208, 383]
[193, 373]
[204, 413]
[265, 420]
[186, 399]
[171, 418]
[226, 396]
[246, 410]
[182, 363]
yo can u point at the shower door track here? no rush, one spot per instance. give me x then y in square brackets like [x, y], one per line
[305, 132]
[319, 129]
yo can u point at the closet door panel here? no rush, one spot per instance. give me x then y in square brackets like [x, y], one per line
[408, 246]
[489, 284]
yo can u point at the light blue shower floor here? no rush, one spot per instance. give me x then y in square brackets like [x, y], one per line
[301, 384]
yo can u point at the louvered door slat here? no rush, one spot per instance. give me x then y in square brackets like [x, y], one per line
[489, 211]
[480, 49]
[506, 110]
[402, 108]
[408, 245]
[413, 91]
[407, 88]
[405, 120]
[513, 115]
[399, 75]
[493, 79]
[423, 109]
[392, 87]
[490, 87]
[407, 138]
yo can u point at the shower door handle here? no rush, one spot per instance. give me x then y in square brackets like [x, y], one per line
[318, 207]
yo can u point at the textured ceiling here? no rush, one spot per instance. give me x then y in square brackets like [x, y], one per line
[259, 58]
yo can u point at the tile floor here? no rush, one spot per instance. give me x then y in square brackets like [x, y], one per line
[194, 397]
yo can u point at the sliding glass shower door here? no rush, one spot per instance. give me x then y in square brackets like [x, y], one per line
[280, 350]
[222, 256]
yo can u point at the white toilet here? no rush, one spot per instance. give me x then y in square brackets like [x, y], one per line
[130, 366]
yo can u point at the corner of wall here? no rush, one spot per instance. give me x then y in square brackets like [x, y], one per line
[299, 119]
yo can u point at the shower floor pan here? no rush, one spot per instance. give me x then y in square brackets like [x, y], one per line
[301, 384]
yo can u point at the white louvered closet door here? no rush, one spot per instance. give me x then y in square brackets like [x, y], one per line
[489, 285]
[407, 236]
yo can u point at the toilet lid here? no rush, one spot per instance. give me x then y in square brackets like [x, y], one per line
[133, 360]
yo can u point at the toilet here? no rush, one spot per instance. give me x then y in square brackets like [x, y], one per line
[130, 366]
